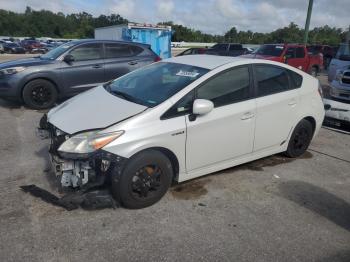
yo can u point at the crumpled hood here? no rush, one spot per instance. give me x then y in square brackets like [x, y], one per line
[35, 61]
[92, 109]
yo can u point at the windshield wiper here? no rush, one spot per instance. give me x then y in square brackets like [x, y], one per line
[123, 95]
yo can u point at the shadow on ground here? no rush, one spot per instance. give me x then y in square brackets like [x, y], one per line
[343, 256]
[317, 200]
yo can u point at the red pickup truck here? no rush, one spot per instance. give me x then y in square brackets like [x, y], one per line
[292, 54]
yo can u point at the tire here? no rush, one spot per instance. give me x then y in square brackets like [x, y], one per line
[314, 71]
[300, 139]
[39, 94]
[144, 181]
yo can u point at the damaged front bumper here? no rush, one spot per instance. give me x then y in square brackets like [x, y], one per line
[79, 170]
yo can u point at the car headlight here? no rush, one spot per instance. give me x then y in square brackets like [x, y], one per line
[88, 142]
[339, 75]
[12, 70]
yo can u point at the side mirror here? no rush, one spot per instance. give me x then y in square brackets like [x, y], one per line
[68, 59]
[202, 106]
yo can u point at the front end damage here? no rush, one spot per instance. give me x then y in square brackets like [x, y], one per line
[81, 172]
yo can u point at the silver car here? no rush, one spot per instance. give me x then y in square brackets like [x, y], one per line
[340, 86]
[179, 119]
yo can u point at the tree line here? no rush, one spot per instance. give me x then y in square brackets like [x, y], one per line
[41, 23]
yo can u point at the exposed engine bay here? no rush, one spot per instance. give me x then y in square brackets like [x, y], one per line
[78, 171]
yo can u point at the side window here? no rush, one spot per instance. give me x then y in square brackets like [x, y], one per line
[226, 88]
[87, 52]
[136, 49]
[296, 80]
[117, 50]
[235, 47]
[300, 53]
[271, 79]
[290, 53]
[182, 107]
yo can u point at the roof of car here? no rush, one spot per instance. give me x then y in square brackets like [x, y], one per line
[205, 61]
[113, 41]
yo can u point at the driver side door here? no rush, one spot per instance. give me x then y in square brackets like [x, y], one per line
[87, 69]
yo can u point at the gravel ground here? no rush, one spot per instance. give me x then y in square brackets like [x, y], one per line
[274, 209]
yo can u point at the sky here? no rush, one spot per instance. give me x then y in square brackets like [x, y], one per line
[209, 16]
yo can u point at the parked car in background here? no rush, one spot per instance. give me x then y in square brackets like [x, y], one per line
[31, 45]
[70, 69]
[295, 55]
[226, 49]
[13, 48]
[326, 50]
[341, 61]
[2, 48]
[340, 86]
[156, 124]
[193, 51]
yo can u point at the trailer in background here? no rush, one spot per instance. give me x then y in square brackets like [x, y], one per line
[157, 36]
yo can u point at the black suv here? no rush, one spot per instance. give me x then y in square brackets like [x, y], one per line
[225, 49]
[70, 69]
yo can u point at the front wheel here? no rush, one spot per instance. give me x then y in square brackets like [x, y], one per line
[144, 181]
[39, 94]
[300, 139]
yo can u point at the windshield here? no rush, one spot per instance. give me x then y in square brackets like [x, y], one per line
[153, 84]
[344, 49]
[56, 52]
[270, 50]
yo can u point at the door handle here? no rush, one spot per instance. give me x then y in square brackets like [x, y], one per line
[133, 63]
[97, 66]
[247, 115]
[292, 102]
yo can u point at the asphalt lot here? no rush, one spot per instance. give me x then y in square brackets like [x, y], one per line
[274, 209]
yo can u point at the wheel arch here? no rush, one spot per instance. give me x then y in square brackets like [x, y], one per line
[39, 78]
[312, 120]
[168, 153]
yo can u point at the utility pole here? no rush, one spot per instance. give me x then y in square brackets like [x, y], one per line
[307, 23]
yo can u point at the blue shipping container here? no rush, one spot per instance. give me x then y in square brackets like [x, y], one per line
[158, 37]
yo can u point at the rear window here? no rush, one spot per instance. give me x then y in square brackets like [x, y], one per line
[270, 50]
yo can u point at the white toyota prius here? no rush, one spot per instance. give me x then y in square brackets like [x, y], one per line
[179, 119]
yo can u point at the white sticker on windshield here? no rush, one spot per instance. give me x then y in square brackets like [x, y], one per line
[279, 47]
[188, 74]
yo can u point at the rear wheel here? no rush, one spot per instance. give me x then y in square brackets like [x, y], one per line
[145, 179]
[39, 94]
[300, 139]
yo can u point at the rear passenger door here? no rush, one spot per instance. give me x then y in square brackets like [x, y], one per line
[121, 59]
[277, 101]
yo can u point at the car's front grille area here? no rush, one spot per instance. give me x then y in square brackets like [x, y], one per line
[346, 78]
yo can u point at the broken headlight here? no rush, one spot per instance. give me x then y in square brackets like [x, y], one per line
[88, 142]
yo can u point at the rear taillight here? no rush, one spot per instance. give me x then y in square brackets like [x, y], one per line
[157, 59]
